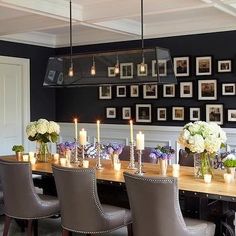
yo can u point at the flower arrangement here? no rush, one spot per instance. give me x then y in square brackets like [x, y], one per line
[201, 137]
[63, 147]
[229, 160]
[164, 153]
[43, 131]
[114, 148]
[204, 140]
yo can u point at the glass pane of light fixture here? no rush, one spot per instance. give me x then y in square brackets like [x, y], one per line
[93, 68]
[117, 66]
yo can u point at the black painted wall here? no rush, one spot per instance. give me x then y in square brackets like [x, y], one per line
[42, 100]
[84, 101]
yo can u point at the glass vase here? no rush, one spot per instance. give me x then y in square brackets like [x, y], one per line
[163, 166]
[114, 159]
[202, 165]
[43, 151]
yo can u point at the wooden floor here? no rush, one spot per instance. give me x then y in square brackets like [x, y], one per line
[51, 227]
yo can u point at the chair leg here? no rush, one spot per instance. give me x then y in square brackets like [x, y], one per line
[29, 227]
[65, 232]
[6, 225]
[130, 230]
[35, 227]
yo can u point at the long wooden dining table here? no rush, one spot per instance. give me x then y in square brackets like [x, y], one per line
[188, 185]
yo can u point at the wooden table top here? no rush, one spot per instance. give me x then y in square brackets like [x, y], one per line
[217, 189]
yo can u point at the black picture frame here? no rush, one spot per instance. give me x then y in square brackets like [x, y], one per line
[207, 89]
[143, 113]
[215, 113]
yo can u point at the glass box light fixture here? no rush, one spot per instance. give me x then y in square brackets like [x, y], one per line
[158, 69]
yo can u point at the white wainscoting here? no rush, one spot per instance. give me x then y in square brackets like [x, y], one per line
[163, 135]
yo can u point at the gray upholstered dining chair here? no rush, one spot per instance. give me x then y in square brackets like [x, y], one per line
[20, 198]
[81, 210]
[155, 208]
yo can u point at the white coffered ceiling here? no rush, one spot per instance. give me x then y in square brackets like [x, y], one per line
[46, 22]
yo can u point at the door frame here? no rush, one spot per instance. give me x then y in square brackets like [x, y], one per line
[25, 91]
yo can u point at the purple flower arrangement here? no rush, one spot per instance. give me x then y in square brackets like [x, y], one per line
[165, 152]
[63, 147]
[114, 148]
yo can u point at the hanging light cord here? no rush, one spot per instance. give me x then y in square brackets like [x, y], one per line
[71, 34]
[142, 29]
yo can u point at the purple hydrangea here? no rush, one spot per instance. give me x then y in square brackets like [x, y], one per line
[165, 152]
[114, 148]
[63, 147]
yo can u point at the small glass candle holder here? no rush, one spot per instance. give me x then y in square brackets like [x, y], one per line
[55, 156]
[31, 155]
[25, 157]
[117, 166]
[85, 163]
[175, 167]
[33, 160]
[207, 178]
[63, 161]
[228, 178]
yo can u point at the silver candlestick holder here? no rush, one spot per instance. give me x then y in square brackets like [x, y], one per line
[139, 171]
[131, 165]
[99, 165]
[76, 151]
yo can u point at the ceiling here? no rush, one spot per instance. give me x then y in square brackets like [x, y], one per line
[46, 22]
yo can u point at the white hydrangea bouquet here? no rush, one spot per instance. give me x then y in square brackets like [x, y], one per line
[203, 139]
[43, 131]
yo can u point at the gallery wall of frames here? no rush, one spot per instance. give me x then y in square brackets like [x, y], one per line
[206, 86]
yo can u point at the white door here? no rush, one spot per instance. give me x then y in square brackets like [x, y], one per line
[14, 103]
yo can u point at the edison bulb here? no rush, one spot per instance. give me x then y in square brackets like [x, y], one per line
[93, 70]
[71, 71]
[142, 67]
[117, 69]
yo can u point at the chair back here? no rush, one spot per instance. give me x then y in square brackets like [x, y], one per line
[155, 206]
[185, 159]
[20, 198]
[81, 210]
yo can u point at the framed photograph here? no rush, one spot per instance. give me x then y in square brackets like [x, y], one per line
[120, 91]
[105, 92]
[207, 89]
[149, 91]
[111, 71]
[143, 113]
[162, 68]
[194, 113]
[204, 65]
[228, 89]
[177, 113]
[186, 89]
[134, 91]
[181, 66]
[214, 113]
[169, 90]
[224, 66]
[140, 73]
[126, 113]
[126, 70]
[232, 115]
[111, 112]
[161, 114]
